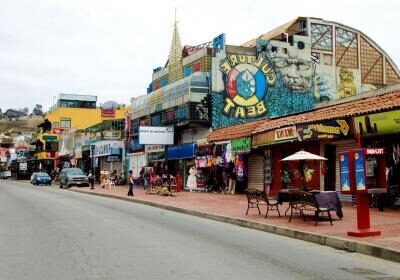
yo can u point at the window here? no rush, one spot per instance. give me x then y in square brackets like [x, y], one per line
[56, 124]
[65, 123]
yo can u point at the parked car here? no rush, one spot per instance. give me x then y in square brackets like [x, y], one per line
[73, 177]
[40, 178]
[5, 174]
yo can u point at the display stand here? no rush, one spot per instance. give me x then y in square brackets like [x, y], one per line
[362, 171]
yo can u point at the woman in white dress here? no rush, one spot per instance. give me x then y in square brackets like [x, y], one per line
[191, 181]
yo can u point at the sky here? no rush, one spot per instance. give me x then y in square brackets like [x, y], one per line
[109, 48]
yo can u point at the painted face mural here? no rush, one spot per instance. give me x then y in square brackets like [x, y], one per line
[275, 82]
[296, 72]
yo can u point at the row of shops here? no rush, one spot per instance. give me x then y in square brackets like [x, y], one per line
[257, 153]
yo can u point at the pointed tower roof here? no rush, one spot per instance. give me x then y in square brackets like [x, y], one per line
[175, 67]
[175, 53]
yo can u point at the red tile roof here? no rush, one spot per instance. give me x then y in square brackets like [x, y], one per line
[232, 132]
[366, 103]
[352, 108]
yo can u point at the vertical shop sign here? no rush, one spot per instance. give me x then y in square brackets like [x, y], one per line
[359, 170]
[344, 172]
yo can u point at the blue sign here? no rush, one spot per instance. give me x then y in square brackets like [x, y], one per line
[344, 172]
[359, 170]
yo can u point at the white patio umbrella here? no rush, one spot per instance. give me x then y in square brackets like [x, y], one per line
[303, 155]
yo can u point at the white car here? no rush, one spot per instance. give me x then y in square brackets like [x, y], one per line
[5, 174]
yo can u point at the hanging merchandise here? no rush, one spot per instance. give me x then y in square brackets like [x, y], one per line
[240, 168]
[228, 154]
[209, 161]
[308, 172]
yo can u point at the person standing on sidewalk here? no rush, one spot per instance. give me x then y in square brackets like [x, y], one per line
[130, 183]
[91, 179]
[232, 178]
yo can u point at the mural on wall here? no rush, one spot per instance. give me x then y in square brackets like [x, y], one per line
[279, 80]
[346, 86]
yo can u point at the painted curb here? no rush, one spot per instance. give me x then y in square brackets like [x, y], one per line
[334, 242]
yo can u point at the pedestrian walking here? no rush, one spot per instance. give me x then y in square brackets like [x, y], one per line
[91, 179]
[130, 182]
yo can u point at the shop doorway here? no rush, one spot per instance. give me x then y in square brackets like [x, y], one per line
[330, 168]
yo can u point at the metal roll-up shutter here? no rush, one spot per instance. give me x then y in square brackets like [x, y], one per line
[255, 172]
[343, 146]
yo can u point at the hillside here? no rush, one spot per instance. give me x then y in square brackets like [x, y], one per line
[22, 125]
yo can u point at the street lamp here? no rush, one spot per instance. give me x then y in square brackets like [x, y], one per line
[92, 180]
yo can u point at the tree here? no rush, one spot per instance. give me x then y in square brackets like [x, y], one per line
[37, 110]
[11, 113]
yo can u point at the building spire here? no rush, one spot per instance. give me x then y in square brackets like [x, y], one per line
[175, 53]
[175, 56]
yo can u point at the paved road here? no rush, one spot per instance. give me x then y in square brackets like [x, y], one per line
[49, 233]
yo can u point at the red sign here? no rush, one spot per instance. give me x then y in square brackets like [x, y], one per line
[107, 112]
[56, 130]
[375, 152]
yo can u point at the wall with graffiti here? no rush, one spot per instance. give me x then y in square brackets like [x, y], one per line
[293, 67]
[277, 79]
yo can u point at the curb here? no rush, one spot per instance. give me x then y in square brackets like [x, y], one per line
[334, 242]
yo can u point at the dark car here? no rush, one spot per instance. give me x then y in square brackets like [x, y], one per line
[73, 177]
[40, 178]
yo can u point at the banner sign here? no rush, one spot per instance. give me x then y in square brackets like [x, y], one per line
[344, 172]
[360, 170]
[241, 145]
[378, 124]
[156, 135]
[324, 130]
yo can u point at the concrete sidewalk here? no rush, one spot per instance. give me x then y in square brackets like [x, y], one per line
[232, 209]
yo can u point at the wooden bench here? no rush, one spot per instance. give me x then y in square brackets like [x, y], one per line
[255, 198]
[306, 201]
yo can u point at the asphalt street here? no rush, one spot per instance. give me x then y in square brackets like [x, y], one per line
[50, 233]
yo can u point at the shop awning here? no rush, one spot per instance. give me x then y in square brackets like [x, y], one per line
[180, 152]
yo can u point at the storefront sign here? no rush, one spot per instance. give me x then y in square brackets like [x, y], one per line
[324, 130]
[113, 158]
[359, 170]
[111, 134]
[105, 148]
[285, 133]
[107, 112]
[56, 130]
[49, 138]
[241, 145]
[23, 166]
[202, 142]
[156, 135]
[375, 152]
[154, 148]
[378, 124]
[344, 172]
[78, 153]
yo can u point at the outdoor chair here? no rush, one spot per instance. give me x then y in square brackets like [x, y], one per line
[109, 183]
[307, 202]
[255, 198]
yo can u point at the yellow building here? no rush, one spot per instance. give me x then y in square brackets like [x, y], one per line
[72, 112]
